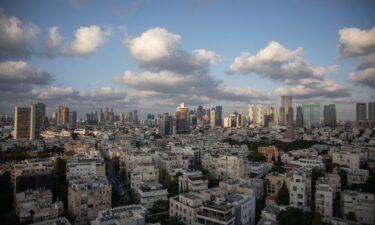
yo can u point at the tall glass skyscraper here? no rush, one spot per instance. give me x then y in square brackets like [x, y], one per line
[361, 112]
[311, 115]
[329, 113]
[182, 119]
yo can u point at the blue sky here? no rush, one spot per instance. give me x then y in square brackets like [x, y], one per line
[85, 79]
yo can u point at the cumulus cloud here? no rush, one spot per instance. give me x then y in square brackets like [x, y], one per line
[20, 72]
[16, 39]
[278, 63]
[310, 88]
[54, 93]
[364, 77]
[156, 49]
[356, 42]
[87, 40]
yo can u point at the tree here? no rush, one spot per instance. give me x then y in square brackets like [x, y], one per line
[172, 221]
[159, 206]
[344, 179]
[351, 216]
[283, 195]
[256, 157]
[6, 193]
[295, 216]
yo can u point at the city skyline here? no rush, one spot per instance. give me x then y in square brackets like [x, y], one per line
[127, 56]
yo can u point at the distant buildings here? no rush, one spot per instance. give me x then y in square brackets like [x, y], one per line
[361, 112]
[123, 215]
[299, 117]
[329, 113]
[28, 121]
[165, 125]
[311, 115]
[182, 119]
[286, 110]
[371, 111]
[62, 115]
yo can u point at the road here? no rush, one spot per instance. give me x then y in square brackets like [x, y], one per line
[118, 186]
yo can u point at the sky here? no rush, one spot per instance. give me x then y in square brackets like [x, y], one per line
[152, 55]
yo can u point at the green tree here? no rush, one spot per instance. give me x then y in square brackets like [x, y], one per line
[172, 221]
[159, 206]
[295, 216]
[344, 179]
[351, 216]
[283, 195]
[256, 157]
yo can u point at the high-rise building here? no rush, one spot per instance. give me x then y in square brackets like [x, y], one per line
[329, 113]
[299, 117]
[165, 125]
[135, 117]
[219, 115]
[290, 132]
[182, 119]
[251, 115]
[24, 123]
[40, 114]
[361, 112]
[290, 115]
[62, 115]
[311, 115]
[371, 111]
[286, 104]
[72, 119]
[213, 118]
[122, 117]
[239, 121]
[259, 118]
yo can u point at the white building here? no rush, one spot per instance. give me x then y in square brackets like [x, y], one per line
[151, 192]
[357, 176]
[298, 193]
[324, 200]
[142, 174]
[123, 215]
[362, 204]
[350, 159]
[192, 181]
[223, 167]
[216, 213]
[309, 164]
[244, 208]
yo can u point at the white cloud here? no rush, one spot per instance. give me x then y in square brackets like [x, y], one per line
[16, 39]
[87, 40]
[356, 42]
[364, 77]
[153, 44]
[202, 55]
[54, 93]
[278, 63]
[17, 72]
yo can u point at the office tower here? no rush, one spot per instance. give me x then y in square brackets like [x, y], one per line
[251, 113]
[40, 114]
[286, 103]
[165, 125]
[275, 116]
[182, 119]
[193, 119]
[290, 115]
[329, 113]
[130, 117]
[122, 117]
[54, 118]
[62, 115]
[23, 128]
[259, 118]
[311, 115]
[361, 112]
[72, 119]
[135, 117]
[371, 111]
[219, 115]
[213, 118]
[239, 121]
[299, 118]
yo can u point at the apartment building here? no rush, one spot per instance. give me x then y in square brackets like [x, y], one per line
[300, 188]
[350, 159]
[362, 204]
[36, 205]
[274, 181]
[142, 174]
[56, 221]
[324, 200]
[124, 215]
[84, 168]
[86, 197]
[309, 164]
[151, 192]
[216, 213]
[223, 167]
[168, 162]
[252, 187]
[357, 176]
[192, 181]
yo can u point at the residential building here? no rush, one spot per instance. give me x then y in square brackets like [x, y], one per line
[299, 117]
[324, 200]
[143, 173]
[290, 132]
[244, 207]
[86, 197]
[371, 111]
[36, 205]
[350, 159]
[56, 221]
[224, 166]
[216, 213]
[84, 168]
[362, 204]
[252, 187]
[299, 190]
[123, 215]
[213, 118]
[62, 115]
[309, 163]
[28, 121]
[274, 181]
[151, 192]
[357, 176]
[192, 181]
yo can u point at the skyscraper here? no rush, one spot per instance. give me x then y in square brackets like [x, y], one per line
[299, 117]
[213, 118]
[40, 111]
[62, 115]
[25, 122]
[371, 111]
[251, 113]
[182, 119]
[165, 125]
[135, 117]
[72, 119]
[311, 115]
[219, 115]
[259, 118]
[329, 113]
[361, 112]
[286, 104]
